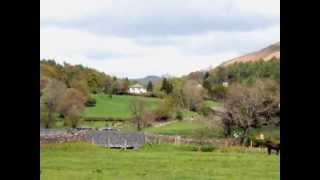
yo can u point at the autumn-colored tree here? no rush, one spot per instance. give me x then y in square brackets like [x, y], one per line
[193, 94]
[50, 71]
[82, 87]
[52, 96]
[251, 106]
[72, 106]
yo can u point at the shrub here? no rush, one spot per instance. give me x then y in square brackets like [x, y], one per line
[207, 148]
[179, 116]
[204, 148]
[104, 119]
[164, 110]
[204, 109]
[90, 102]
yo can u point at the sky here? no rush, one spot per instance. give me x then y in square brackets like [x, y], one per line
[127, 38]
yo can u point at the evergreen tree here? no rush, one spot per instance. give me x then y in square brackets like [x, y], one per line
[164, 84]
[150, 86]
[167, 86]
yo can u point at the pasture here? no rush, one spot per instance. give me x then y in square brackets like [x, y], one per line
[115, 107]
[182, 128]
[83, 161]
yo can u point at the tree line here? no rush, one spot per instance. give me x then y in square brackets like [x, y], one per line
[251, 99]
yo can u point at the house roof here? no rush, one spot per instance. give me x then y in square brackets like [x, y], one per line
[136, 86]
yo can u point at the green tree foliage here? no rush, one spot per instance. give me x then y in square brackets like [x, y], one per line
[150, 86]
[218, 92]
[67, 73]
[125, 86]
[245, 73]
[164, 109]
[137, 108]
[167, 86]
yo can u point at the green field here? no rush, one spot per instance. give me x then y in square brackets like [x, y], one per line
[80, 161]
[115, 107]
[183, 128]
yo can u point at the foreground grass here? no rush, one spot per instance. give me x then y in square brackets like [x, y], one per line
[116, 107]
[85, 161]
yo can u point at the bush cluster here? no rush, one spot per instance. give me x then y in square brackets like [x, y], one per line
[91, 102]
[204, 148]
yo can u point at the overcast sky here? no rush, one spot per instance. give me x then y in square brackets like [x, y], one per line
[135, 38]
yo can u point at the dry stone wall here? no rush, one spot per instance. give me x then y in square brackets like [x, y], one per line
[61, 136]
[121, 139]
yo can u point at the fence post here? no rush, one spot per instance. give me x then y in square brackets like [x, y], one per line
[145, 138]
[178, 140]
[125, 144]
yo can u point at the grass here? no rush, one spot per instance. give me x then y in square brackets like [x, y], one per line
[182, 128]
[115, 107]
[83, 161]
[211, 103]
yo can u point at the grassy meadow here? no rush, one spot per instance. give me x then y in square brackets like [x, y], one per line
[81, 161]
[115, 107]
[183, 128]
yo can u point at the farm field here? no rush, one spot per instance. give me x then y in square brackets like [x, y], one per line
[182, 128]
[115, 107]
[85, 161]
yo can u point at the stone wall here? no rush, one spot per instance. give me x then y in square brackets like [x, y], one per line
[121, 139]
[61, 136]
[106, 138]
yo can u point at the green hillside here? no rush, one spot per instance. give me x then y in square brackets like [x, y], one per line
[116, 107]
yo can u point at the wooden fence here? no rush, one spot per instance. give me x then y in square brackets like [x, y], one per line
[157, 138]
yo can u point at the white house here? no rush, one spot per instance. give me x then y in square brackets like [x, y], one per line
[225, 84]
[137, 89]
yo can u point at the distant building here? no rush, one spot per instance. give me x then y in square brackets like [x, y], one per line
[199, 86]
[225, 84]
[137, 89]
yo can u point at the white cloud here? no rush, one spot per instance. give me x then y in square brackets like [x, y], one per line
[72, 46]
[57, 10]
[146, 37]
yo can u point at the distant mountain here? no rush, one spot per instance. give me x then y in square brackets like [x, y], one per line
[264, 54]
[145, 80]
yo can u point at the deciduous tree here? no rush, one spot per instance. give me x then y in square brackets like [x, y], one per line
[137, 108]
[251, 106]
[52, 96]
